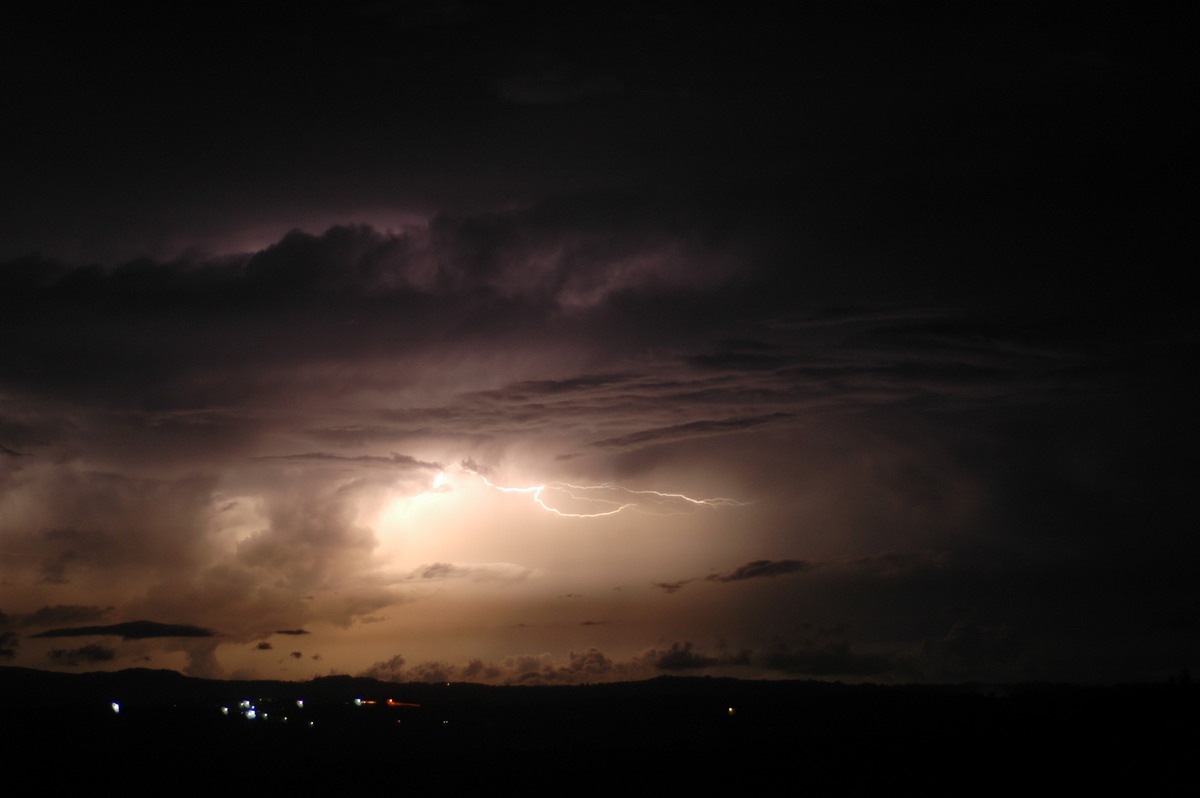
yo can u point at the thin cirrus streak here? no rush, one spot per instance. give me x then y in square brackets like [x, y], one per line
[606, 499]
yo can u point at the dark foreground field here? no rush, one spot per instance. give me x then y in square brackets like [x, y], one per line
[663, 735]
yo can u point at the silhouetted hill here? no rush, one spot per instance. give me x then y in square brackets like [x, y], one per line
[665, 733]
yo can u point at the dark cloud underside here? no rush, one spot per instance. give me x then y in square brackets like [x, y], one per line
[133, 630]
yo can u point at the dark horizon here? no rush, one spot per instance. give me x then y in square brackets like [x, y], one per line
[679, 732]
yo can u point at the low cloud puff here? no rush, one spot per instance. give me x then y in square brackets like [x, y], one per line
[762, 568]
[476, 572]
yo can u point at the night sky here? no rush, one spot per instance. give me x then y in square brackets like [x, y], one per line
[572, 342]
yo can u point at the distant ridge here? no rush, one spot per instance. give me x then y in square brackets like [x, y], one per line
[338, 733]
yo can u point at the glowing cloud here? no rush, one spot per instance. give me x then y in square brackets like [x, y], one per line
[597, 501]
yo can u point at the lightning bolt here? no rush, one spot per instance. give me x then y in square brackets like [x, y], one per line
[607, 498]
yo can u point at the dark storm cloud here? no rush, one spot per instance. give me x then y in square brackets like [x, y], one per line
[163, 329]
[533, 390]
[692, 429]
[264, 646]
[91, 654]
[865, 360]
[757, 569]
[292, 632]
[572, 253]
[991, 132]
[358, 296]
[131, 630]
[393, 461]
[389, 670]
[62, 613]
[969, 648]
[833, 659]
[682, 658]
[584, 250]
[762, 568]
[828, 659]
[740, 355]
[588, 665]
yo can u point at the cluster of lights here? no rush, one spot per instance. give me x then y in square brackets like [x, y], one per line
[248, 710]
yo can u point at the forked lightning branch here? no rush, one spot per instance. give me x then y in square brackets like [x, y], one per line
[596, 501]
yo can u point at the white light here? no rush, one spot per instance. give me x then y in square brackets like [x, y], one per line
[358, 702]
[116, 708]
[224, 710]
[646, 501]
[300, 703]
[251, 714]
